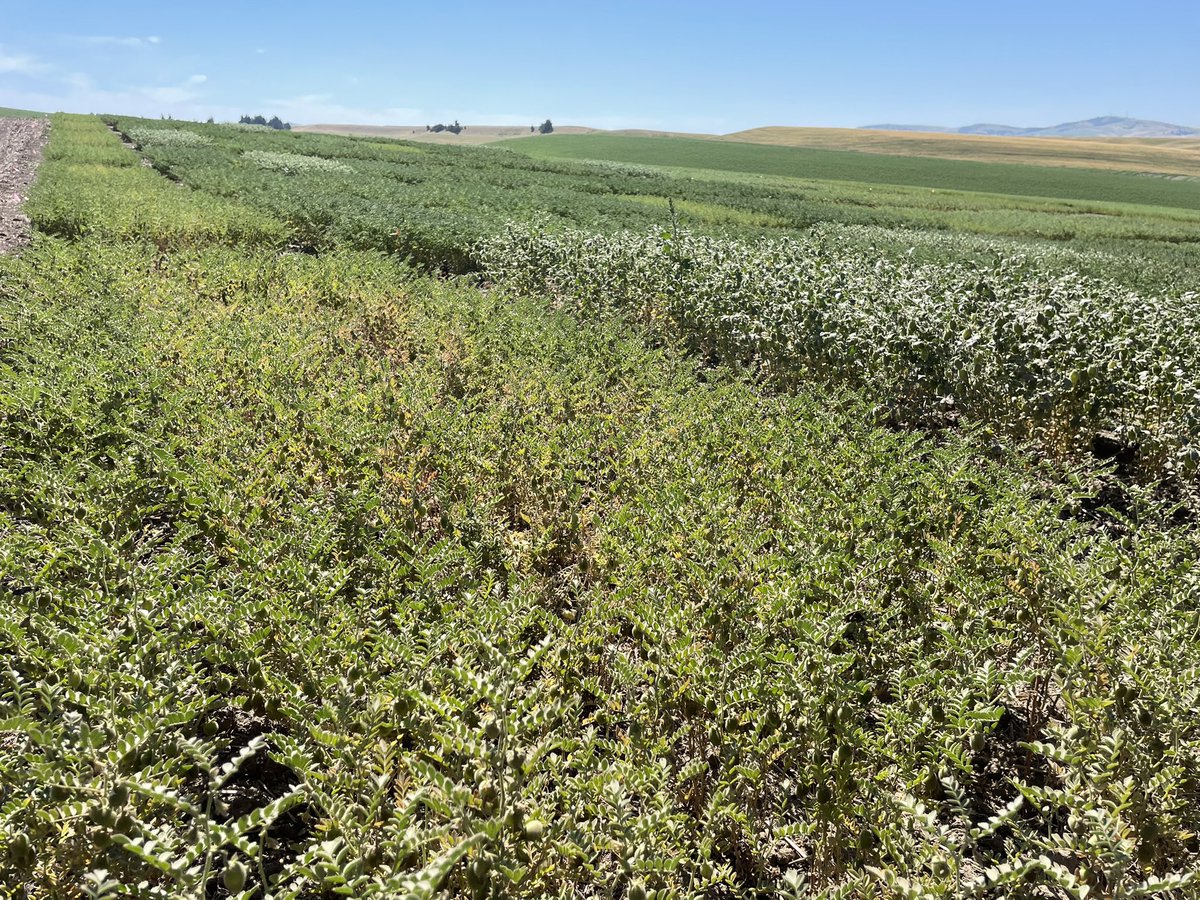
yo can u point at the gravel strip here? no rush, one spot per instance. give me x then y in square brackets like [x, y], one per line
[21, 143]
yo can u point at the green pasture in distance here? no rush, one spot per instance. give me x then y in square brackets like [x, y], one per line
[846, 165]
[7, 113]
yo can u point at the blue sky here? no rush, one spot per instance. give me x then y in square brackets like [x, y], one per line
[693, 66]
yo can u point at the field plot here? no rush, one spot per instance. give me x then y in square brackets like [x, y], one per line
[1179, 157]
[1125, 216]
[441, 199]
[324, 574]
[846, 165]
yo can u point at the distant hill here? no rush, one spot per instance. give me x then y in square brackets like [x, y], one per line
[892, 126]
[1103, 126]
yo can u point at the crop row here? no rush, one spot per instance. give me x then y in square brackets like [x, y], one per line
[92, 185]
[911, 170]
[1058, 360]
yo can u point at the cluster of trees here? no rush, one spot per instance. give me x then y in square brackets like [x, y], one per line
[545, 128]
[274, 122]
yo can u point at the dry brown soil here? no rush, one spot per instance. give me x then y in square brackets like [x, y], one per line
[21, 143]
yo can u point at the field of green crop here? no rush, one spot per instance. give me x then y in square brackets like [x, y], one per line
[1029, 348]
[846, 165]
[609, 568]
[438, 200]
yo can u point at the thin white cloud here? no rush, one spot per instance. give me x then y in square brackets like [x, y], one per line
[21, 64]
[80, 81]
[173, 95]
[79, 92]
[102, 40]
[165, 96]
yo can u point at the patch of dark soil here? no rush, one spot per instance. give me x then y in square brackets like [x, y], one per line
[1110, 496]
[932, 422]
[1001, 759]
[21, 143]
[1106, 446]
[259, 781]
[1110, 504]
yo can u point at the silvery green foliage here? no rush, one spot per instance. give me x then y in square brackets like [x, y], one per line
[179, 137]
[1052, 358]
[295, 163]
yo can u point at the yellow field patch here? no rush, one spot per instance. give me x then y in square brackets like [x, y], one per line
[1163, 156]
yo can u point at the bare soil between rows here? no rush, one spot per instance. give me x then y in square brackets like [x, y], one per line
[21, 143]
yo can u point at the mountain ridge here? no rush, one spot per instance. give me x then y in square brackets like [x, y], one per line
[1101, 126]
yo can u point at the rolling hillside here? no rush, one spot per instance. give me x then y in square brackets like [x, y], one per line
[6, 112]
[1176, 156]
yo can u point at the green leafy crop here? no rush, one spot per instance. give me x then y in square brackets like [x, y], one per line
[323, 576]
